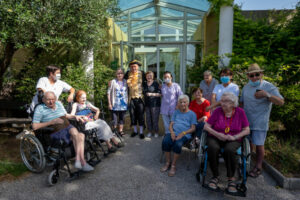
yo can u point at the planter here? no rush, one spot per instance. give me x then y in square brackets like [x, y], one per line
[284, 182]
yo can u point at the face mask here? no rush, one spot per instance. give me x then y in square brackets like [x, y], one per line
[254, 84]
[58, 76]
[167, 80]
[225, 79]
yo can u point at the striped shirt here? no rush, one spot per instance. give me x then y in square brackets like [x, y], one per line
[44, 114]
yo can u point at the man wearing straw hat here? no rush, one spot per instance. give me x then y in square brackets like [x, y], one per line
[257, 98]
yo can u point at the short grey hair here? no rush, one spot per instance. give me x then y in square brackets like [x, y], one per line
[208, 72]
[184, 96]
[232, 97]
[47, 93]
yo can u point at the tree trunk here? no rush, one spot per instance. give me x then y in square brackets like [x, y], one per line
[9, 51]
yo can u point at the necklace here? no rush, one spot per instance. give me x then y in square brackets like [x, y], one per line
[227, 129]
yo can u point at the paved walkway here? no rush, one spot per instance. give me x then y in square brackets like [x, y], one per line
[133, 173]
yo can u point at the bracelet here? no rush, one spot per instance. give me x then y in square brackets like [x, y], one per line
[184, 133]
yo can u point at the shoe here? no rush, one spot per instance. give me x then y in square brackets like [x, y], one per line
[87, 168]
[165, 168]
[112, 150]
[149, 135]
[77, 164]
[119, 145]
[133, 134]
[142, 136]
[156, 135]
[255, 172]
[172, 171]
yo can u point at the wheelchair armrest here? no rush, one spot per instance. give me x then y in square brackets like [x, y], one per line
[45, 130]
[80, 126]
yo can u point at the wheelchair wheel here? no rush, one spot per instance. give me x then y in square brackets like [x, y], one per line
[202, 146]
[32, 153]
[247, 153]
[53, 178]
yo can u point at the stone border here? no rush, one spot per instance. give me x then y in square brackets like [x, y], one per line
[284, 182]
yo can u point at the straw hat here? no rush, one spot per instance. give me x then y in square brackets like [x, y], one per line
[135, 62]
[254, 68]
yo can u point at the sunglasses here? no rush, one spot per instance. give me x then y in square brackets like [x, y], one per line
[252, 75]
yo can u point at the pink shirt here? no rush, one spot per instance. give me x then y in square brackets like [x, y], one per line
[219, 123]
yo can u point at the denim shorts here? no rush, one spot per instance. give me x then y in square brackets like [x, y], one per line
[62, 134]
[258, 137]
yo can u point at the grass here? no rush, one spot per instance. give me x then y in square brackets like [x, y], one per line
[284, 155]
[15, 169]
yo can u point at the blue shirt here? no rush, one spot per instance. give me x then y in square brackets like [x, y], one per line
[183, 122]
[258, 110]
[43, 113]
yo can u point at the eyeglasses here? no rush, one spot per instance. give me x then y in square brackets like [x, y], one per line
[252, 75]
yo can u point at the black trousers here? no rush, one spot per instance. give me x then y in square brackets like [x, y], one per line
[230, 148]
[136, 111]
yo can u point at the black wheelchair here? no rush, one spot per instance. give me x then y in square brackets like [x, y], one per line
[38, 151]
[244, 158]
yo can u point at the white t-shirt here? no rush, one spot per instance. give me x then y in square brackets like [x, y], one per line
[43, 83]
[220, 89]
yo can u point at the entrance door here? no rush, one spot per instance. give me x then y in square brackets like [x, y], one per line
[161, 58]
[169, 59]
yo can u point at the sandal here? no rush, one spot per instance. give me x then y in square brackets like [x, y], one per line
[121, 133]
[231, 187]
[172, 171]
[213, 183]
[255, 172]
[165, 168]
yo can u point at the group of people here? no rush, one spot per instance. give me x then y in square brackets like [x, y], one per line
[142, 95]
[215, 108]
[51, 113]
[227, 119]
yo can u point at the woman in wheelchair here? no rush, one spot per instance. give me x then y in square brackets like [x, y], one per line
[226, 127]
[182, 125]
[52, 114]
[84, 108]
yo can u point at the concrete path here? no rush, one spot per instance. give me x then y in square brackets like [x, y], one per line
[133, 173]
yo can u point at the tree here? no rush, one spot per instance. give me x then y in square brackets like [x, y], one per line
[44, 24]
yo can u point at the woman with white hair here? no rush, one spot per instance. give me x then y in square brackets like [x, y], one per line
[226, 127]
[182, 125]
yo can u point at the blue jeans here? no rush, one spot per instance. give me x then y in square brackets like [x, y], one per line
[168, 144]
[167, 121]
[199, 129]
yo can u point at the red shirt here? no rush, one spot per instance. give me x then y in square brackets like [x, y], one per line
[200, 109]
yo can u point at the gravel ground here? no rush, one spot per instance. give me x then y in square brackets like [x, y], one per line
[133, 173]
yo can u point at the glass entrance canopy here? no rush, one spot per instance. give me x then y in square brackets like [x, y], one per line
[165, 35]
[161, 20]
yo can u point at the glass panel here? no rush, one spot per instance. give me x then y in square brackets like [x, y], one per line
[192, 15]
[196, 4]
[170, 30]
[120, 31]
[126, 4]
[193, 29]
[169, 60]
[147, 55]
[143, 13]
[168, 12]
[144, 29]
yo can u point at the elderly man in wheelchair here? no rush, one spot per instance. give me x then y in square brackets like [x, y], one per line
[225, 129]
[52, 114]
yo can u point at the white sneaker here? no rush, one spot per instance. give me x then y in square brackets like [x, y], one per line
[77, 164]
[149, 135]
[156, 135]
[87, 168]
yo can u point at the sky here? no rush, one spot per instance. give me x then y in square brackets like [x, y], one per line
[266, 4]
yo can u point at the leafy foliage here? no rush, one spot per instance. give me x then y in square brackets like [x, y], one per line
[274, 45]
